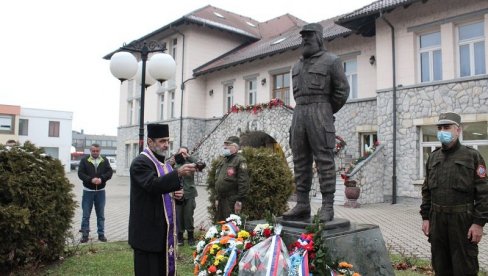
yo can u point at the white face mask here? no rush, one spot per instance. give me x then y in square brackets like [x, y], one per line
[226, 152]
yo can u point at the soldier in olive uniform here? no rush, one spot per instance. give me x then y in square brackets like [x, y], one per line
[232, 180]
[454, 201]
[320, 89]
[186, 207]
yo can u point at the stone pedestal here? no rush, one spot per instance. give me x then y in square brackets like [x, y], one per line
[361, 245]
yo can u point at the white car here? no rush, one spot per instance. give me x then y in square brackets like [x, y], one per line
[113, 162]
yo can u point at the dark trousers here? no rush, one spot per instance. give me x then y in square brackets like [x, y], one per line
[312, 137]
[149, 263]
[184, 213]
[452, 252]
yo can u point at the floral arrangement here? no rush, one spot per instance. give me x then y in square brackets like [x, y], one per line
[339, 145]
[220, 250]
[218, 253]
[310, 256]
[257, 107]
[367, 152]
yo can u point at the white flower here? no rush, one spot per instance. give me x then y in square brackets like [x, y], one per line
[202, 273]
[234, 218]
[211, 232]
[200, 246]
[219, 272]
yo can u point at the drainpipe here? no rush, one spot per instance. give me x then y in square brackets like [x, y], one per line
[181, 106]
[394, 177]
[182, 84]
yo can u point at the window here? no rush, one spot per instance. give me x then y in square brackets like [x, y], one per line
[350, 68]
[135, 150]
[367, 141]
[53, 129]
[173, 48]
[281, 87]
[229, 97]
[473, 134]
[471, 49]
[251, 86]
[130, 89]
[6, 123]
[161, 106]
[430, 57]
[130, 112]
[51, 151]
[172, 104]
[138, 112]
[23, 127]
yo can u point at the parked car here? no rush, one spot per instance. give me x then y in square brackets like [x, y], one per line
[113, 162]
[75, 164]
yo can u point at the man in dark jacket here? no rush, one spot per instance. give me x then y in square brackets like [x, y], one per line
[94, 171]
[186, 206]
[454, 201]
[231, 180]
[320, 89]
[152, 219]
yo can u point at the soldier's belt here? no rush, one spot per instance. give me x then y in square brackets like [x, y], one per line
[452, 209]
[312, 99]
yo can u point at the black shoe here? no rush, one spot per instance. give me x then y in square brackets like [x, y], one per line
[180, 238]
[84, 239]
[102, 238]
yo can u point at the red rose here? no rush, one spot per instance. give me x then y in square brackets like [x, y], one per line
[248, 245]
[267, 232]
[212, 269]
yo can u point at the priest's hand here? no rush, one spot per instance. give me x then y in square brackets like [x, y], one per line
[178, 194]
[187, 169]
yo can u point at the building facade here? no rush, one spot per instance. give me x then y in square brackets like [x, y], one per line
[49, 130]
[406, 62]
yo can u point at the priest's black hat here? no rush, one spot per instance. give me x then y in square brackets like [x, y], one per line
[157, 131]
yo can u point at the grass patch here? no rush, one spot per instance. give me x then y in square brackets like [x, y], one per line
[115, 258]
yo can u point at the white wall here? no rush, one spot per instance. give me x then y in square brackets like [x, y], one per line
[38, 131]
[419, 15]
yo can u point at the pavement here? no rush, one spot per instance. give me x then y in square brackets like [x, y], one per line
[399, 223]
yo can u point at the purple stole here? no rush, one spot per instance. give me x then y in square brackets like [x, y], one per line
[169, 212]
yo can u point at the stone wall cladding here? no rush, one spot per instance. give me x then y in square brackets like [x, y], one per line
[354, 113]
[275, 122]
[469, 96]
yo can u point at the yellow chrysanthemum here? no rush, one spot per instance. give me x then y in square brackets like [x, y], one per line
[243, 234]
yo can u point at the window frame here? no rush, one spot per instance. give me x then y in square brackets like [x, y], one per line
[171, 111]
[23, 127]
[350, 75]
[251, 92]
[228, 97]
[11, 129]
[283, 91]
[436, 144]
[161, 99]
[54, 129]
[371, 141]
[430, 50]
[470, 42]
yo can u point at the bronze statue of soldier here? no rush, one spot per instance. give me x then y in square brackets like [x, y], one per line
[320, 89]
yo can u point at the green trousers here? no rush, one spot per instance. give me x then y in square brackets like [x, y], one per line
[184, 214]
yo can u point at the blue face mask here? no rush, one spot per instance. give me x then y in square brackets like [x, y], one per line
[225, 152]
[445, 137]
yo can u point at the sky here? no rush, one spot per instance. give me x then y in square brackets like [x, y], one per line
[51, 54]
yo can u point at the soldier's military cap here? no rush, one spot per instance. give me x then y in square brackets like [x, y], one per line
[313, 27]
[449, 118]
[232, 140]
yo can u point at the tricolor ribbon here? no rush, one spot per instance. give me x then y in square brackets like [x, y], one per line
[273, 265]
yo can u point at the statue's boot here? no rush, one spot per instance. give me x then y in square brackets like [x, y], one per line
[327, 211]
[301, 211]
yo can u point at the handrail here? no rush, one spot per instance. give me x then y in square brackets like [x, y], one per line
[364, 162]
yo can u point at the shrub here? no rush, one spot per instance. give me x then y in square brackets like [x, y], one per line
[271, 184]
[36, 207]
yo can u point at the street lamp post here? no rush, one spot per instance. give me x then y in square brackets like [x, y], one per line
[160, 67]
